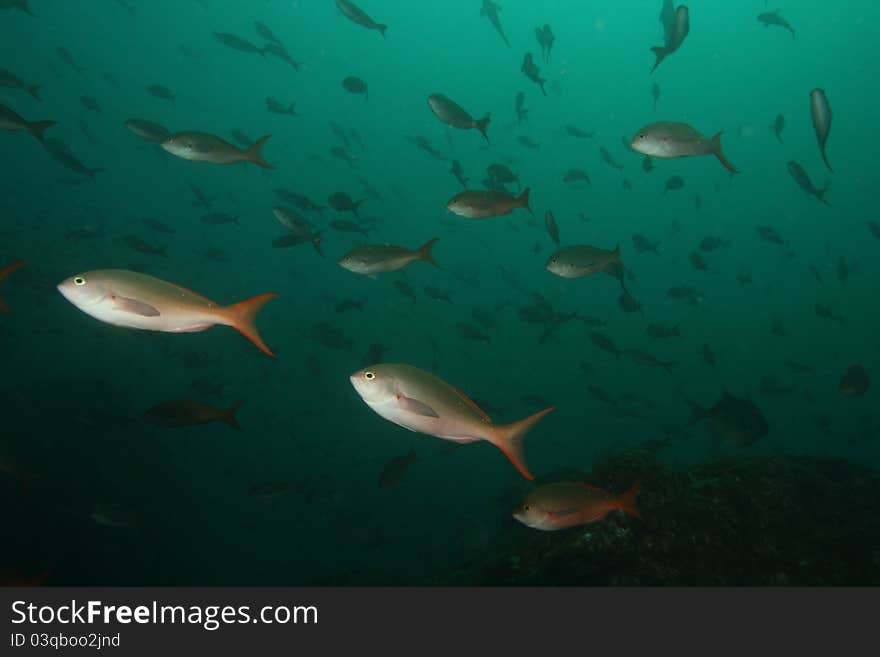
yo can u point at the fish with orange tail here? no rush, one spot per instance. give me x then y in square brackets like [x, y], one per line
[569, 504]
[6, 271]
[419, 401]
[133, 300]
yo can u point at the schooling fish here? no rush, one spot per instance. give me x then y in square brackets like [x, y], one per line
[675, 35]
[855, 382]
[203, 147]
[375, 259]
[133, 300]
[148, 131]
[189, 413]
[419, 401]
[355, 85]
[357, 15]
[393, 472]
[490, 11]
[551, 226]
[483, 204]
[778, 126]
[4, 273]
[532, 72]
[452, 114]
[12, 122]
[820, 110]
[669, 139]
[769, 18]
[11, 81]
[562, 505]
[803, 180]
[237, 43]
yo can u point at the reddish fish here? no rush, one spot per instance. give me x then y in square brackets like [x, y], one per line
[3, 274]
[133, 300]
[189, 413]
[419, 401]
[564, 505]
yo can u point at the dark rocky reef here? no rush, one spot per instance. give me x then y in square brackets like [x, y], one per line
[762, 521]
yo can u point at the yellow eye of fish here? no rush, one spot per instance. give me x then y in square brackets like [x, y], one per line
[369, 376]
[79, 280]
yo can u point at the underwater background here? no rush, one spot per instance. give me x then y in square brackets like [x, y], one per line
[94, 494]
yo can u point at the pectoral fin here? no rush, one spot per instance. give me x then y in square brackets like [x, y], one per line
[411, 405]
[135, 307]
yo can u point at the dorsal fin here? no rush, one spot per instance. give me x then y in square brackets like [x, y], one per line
[470, 402]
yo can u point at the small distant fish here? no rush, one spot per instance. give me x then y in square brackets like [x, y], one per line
[237, 43]
[21, 5]
[574, 131]
[677, 30]
[643, 245]
[855, 382]
[204, 147]
[803, 180]
[522, 114]
[668, 139]
[218, 219]
[484, 204]
[406, 290]
[660, 331]
[346, 226]
[300, 201]
[68, 59]
[550, 225]
[141, 246]
[11, 81]
[709, 244]
[778, 126]
[90, 103]
[528, 142]
[281, 53]
[490, 11]
[532, 72]
[301, 230]
[673, 183]
[342, 154]
[648, 164]
[458, 172]
[685, 293]
[63, 155]
[698, 261]
[470, 332]
[769, 18]
[608, 159]
[148, 131]
[450, 113]
[643, 358]
[629, 304]
[189, 413]
[4, 274]
[698, 203]
[276, 106]
[604, 343]
[348, 304]
[820, 111]
[546, 39]
[732, 419]
[380, 258]
[392, 473]
[437, 294]
[576, 175]
[161, 92]
[354, 85]
[201, 198]
[134, 300]
[158, 226]
[342, 202]
[357, 15]
[769, 234]
[570, 504]
[874, 227]
[12, 122]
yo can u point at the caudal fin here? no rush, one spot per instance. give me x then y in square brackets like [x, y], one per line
[228, 416]
[254, 155]
[37, 128]
[426, 254]
[481, 125]
[6, 271]
[825, 160]
[382, 27]
[34, 90]
[509, 439]
[242, 316]
[660, 54]
[716, 148]
[627, 501]
[523, 199]
[820, 194]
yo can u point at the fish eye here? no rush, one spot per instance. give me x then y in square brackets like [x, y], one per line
[526, 507]
[79, 281]
[369, 376]
[642, 136]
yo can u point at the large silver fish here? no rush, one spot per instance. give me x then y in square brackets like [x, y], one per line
[820, 110]
[668, 139]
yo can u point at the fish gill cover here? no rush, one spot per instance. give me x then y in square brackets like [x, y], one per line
[657, 219]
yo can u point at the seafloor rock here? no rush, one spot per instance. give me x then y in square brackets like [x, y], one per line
[739, 521]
